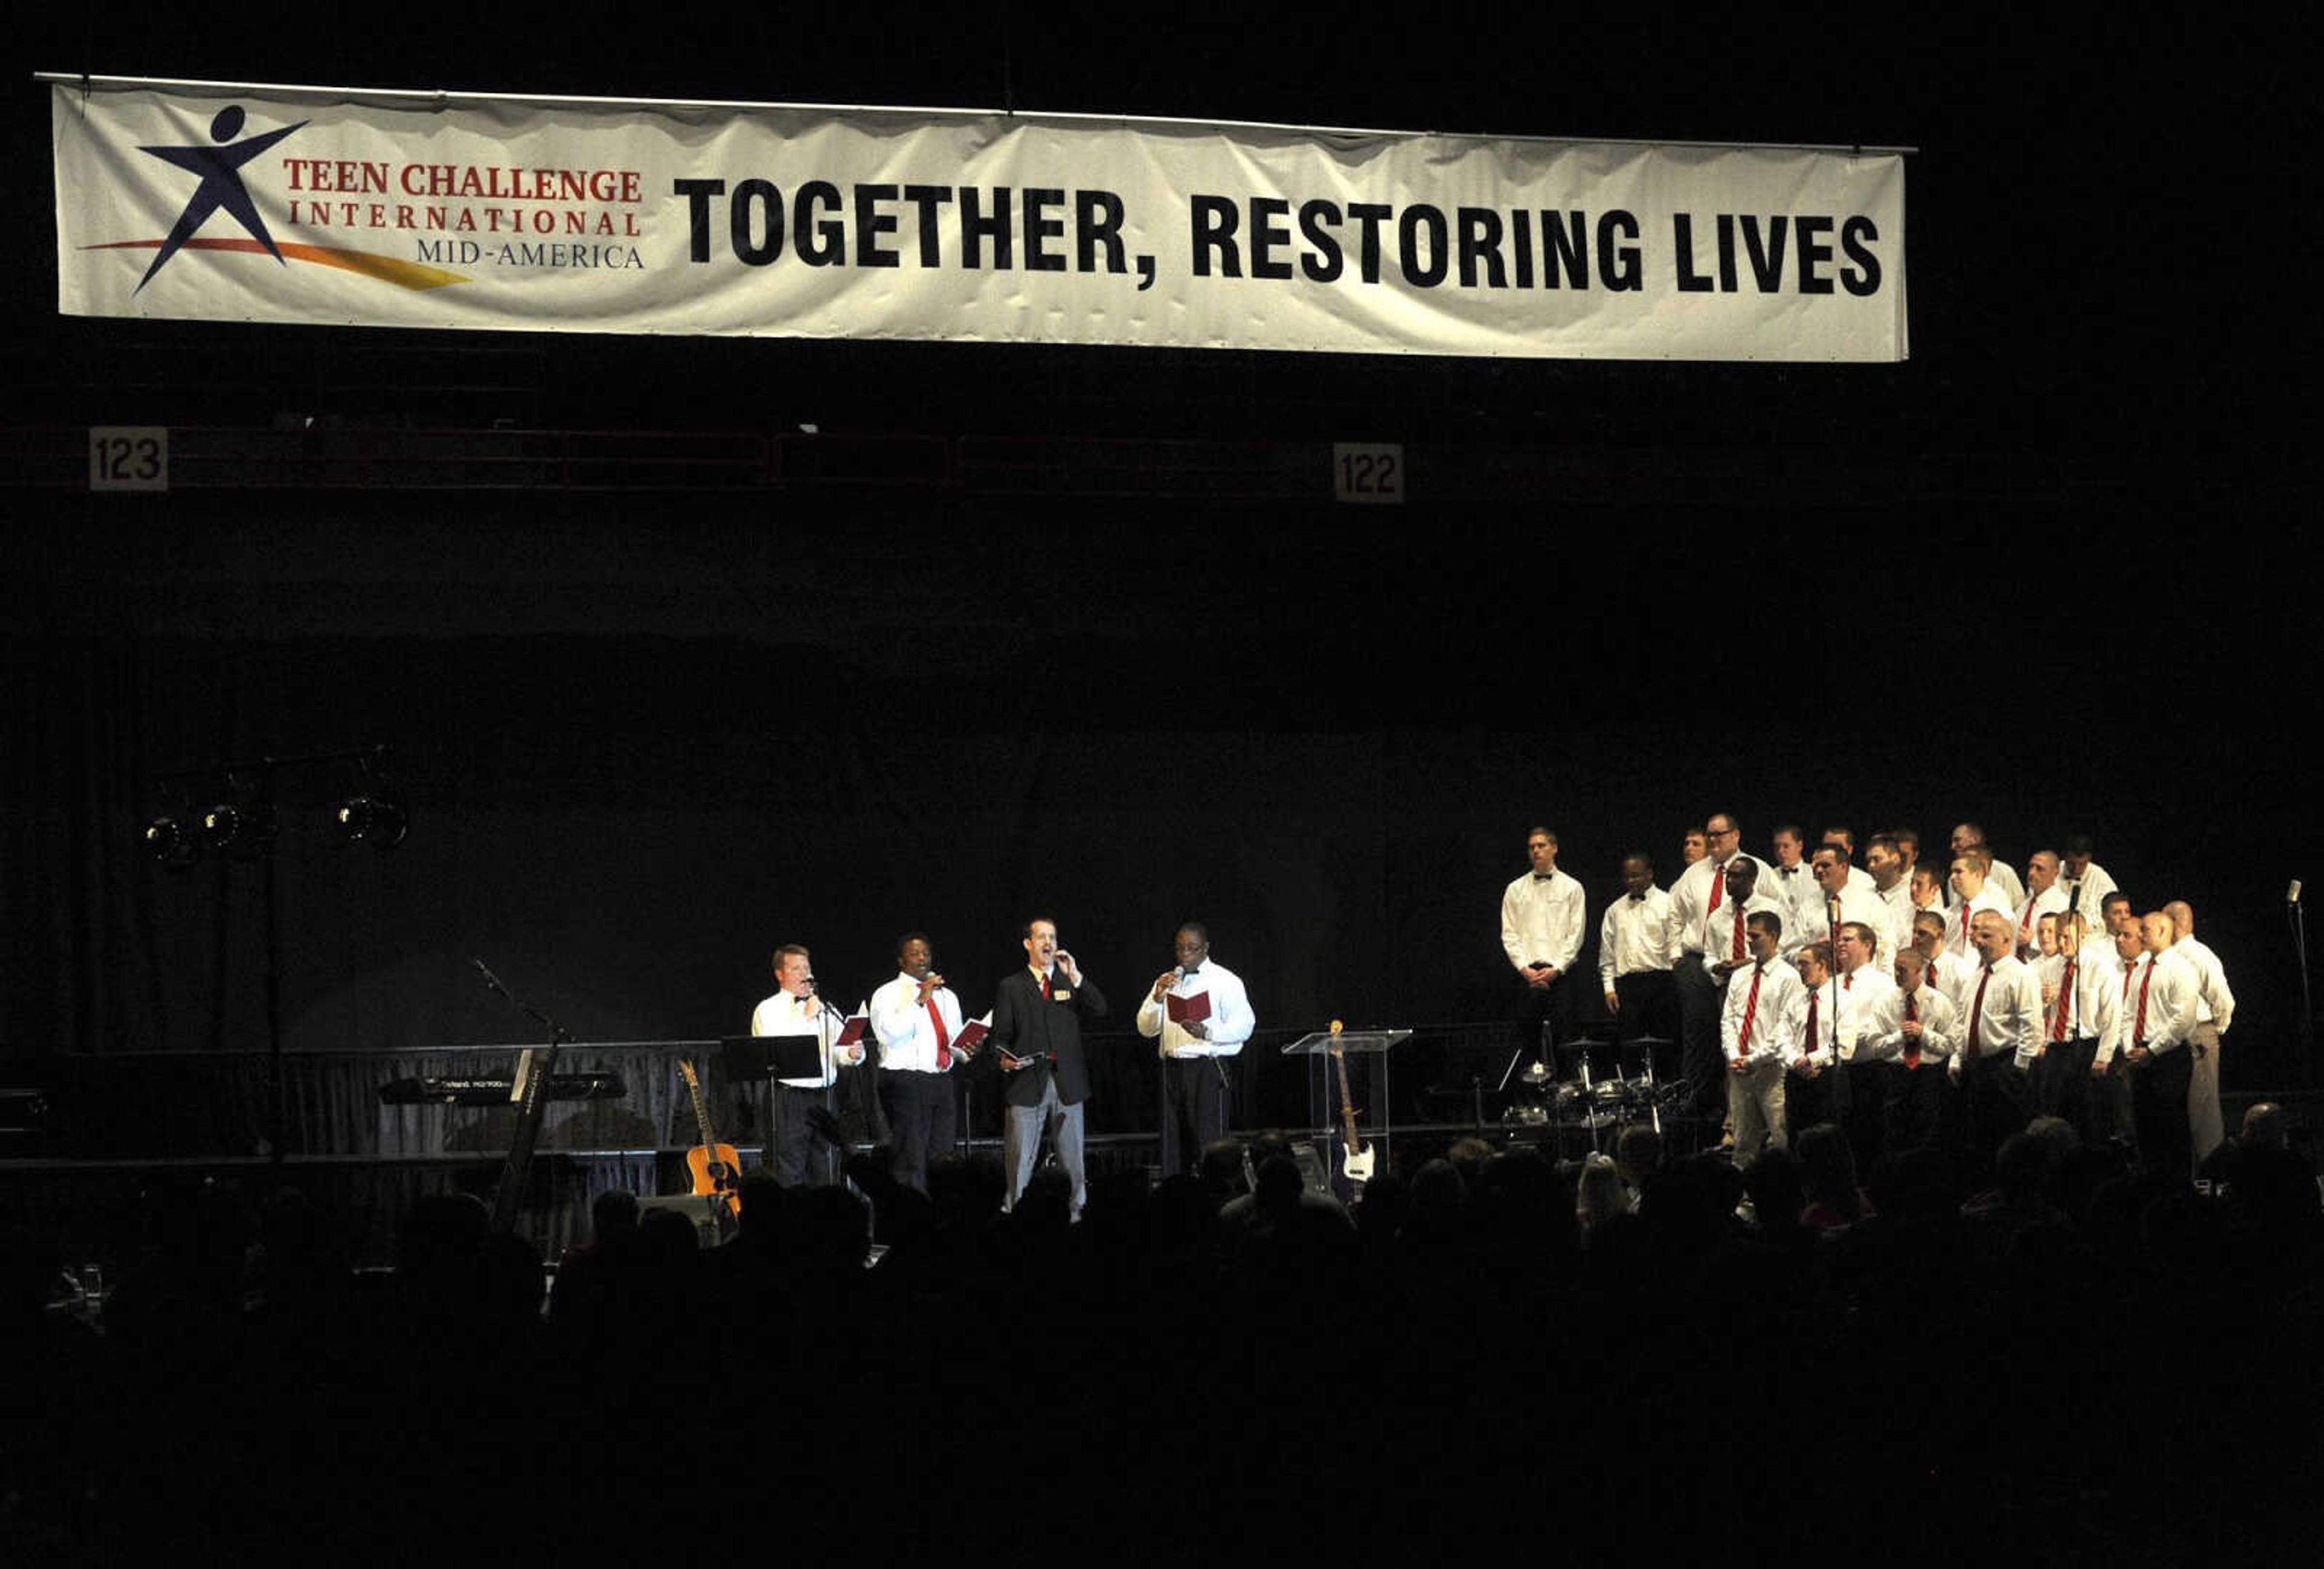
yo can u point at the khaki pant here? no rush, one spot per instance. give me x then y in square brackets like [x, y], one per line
[2204, 1122]
[1754, 1104]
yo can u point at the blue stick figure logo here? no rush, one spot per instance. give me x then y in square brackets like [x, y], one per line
[220, 168]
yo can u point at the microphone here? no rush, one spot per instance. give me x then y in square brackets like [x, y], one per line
[494, 980]
[2291, 894]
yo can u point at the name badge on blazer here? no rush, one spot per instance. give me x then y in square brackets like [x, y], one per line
[1061, 994]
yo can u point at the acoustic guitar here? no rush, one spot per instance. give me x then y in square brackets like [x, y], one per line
[718, 1169]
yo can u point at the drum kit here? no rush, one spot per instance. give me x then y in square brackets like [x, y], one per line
[1576, 1100]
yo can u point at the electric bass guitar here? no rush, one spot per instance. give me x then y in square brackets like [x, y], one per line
[718, 1169]
[1356, 1156]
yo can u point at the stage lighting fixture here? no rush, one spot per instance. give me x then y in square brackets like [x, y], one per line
[241, 830]
[168, 842]
[374, 820]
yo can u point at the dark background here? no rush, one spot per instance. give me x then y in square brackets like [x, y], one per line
[649, 735]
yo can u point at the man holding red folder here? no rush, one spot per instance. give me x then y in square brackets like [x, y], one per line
[796, 1009]
[1198, 1015]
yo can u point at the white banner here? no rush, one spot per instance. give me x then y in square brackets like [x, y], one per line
[218, 202]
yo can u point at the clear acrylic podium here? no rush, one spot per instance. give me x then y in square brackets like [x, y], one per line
[1364, 1054]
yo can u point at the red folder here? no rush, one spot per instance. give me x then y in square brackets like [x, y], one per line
[1188, 1010]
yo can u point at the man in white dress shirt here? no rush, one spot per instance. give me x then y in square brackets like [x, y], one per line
[1842, 838]
[1793, 881]
[1908, 845]
[2000, 1008]
[1884, 861]
[800, 1155]
[1195, 1050]
[1759, 1025]
[1812, 1091]
[2086, 882]
[1814, 924]
[916, 1018]
[2152, 1020]
[2078, 998]
[2043, 896]
[1860, 958]
[1969, 837]
[2215, 1011]
[1638, 948]
[1699, 894]
[1544, 917]
[1927, 893]
[1945, 967]
[1911, 1034]
[1976, 894]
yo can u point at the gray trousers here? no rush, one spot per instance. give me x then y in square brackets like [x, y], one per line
[2204, 1122]
[1021, 1144]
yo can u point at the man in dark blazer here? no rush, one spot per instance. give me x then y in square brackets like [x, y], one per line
[1036, 1026]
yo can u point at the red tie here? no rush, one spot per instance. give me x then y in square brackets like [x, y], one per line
[2025, 927]
[2065, 1001]
[943, 1037]
[1735, 947]
[2138, 1031]
[1964, 923]
[1750, 1011]
[1912, 1046]
[1815, 997]
[1044, 985]
[1976, 1014]
[1718, 887]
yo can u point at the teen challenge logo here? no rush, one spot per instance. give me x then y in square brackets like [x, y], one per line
[217, 170]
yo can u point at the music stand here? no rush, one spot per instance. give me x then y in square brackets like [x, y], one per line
[1322, 1104]
[759, 1060]
[748, 1059]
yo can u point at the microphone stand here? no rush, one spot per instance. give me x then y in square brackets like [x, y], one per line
[824, 1013]
[1832, 1095]
[2296, 918]
[534, 1093]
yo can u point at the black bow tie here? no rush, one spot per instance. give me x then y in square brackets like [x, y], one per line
[1637, 899]
[1543, 876]
[1192, 970]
